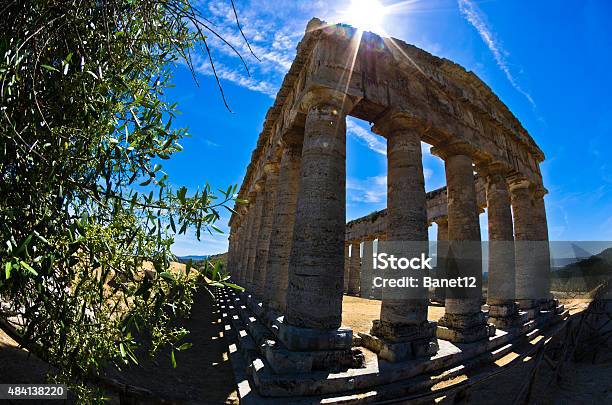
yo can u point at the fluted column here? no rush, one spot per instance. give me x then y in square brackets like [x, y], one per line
[282, 229]
[236, 259]
[541, 236]
[231, 252]
[246, 245]
[347, 267]
[265, 229]
[243, 242]
[406, 211]
[527, 291]
[503, 310]
[254, 235]
[403, 315]
[314, 299]
[355, 268]
[242, 246]
[365, 274]
[442, 249]
[463, 320]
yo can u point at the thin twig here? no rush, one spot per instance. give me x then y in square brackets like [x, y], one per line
[242, 33]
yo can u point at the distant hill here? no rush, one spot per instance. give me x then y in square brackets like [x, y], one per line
[183, 259]
[198, 261]
[585, 274]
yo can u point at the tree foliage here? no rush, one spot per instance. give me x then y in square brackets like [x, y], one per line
[87, 213]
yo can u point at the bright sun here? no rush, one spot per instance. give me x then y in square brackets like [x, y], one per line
[366, 15]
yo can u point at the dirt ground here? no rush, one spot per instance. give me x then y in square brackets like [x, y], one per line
[358, 313]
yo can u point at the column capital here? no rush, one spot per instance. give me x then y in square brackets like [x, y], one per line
[322, 96]
[518, 183]
[538, 190]
[492, 169]
[393, 121]
[452, 149]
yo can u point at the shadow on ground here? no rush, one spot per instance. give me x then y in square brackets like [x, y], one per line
[203, 374]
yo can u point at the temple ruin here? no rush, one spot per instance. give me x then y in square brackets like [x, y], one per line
[289, 245]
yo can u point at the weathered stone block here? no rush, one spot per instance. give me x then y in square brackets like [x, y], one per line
[509, 322]
[503, 310]
[472, 334]
[284, 361]
[306, 339]
[463, 321]
[403, 332]
[400, 351]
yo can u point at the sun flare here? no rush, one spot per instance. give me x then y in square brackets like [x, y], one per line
[366, 15]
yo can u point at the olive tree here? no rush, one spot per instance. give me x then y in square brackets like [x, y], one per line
[87, 214]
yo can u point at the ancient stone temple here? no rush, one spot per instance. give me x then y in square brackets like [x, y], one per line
[296, 257]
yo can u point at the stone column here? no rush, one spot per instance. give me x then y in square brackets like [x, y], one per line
[355, 268]
[282, 229]
[236, 254]
[246, 234]
[527, 291]
[254, 235]
[503, 310]
[365, 274]
[541, 236]
[463, 320]
[442, 250]
[314, 299]
[243, 244]
[347, 267]
[265, 228]
[231, 251]
[241, 251]
[403, 326]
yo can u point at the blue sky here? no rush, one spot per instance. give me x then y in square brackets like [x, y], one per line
[548, 60]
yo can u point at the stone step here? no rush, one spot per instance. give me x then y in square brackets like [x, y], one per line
[361, 384]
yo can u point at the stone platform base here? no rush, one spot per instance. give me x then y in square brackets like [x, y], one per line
[399, 342]
[507, 315]
[509, 322]
[464, 328]
[377, 380]
[288, 349]
[399, 351]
